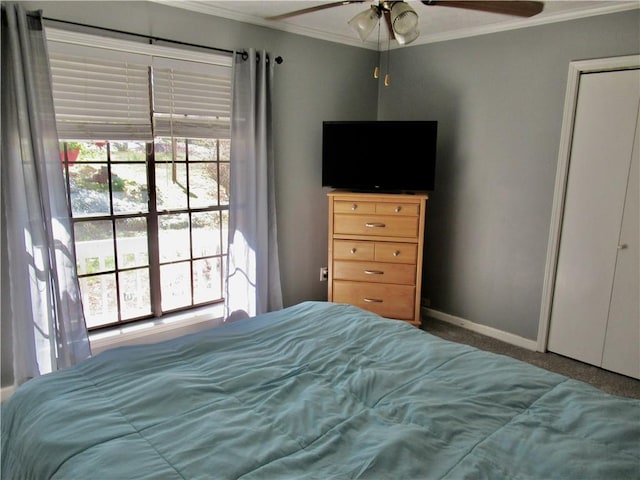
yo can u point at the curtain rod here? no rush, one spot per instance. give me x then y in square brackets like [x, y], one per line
[243, 53]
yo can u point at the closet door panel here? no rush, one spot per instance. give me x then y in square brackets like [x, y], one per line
[601, 151]
[622, 341]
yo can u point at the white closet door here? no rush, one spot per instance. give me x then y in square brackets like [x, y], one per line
[622, 340]
[601, 151]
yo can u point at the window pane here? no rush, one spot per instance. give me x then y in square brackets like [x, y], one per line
[207, 284]
[202, 150]
[128, 151]
[92, 152]
[203, 182]
[206, 234]
[129, 186]
[131, 237]
[94, 247]
[174, 237]
[99, 299]
[223, 183]
[225, 231]
[89, 188]
[135, 298]
[168, 150]
[82, 151]
[225, 149]
[171, 186]
[176, 285]
[162, 149]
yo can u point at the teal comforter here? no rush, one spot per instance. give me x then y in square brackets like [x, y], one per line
[319, 391]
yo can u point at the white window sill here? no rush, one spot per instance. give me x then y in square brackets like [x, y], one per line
[157, 330]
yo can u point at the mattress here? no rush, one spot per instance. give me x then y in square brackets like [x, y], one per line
[320, 391]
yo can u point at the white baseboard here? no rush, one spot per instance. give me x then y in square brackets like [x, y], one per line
[501, 335]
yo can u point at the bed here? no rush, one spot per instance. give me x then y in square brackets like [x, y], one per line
[320, 391]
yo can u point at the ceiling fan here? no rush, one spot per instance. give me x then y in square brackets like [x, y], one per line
[402, 20]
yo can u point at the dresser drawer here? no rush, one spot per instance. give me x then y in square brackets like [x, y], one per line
[378, 272]
[345, 206]
[381, 208]
[390, 252]
[409, 209]
[396, 252]
[392, 301]
[376, 225]
[353, 250]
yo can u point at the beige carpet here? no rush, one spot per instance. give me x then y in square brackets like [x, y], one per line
[608, 381]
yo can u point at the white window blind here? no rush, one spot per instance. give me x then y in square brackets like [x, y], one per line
[100, 94]
[191, 99]
[108, 93]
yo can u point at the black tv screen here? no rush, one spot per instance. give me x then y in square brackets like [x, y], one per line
[390, 156]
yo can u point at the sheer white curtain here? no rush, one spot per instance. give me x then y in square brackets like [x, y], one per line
[43, 325]
[253, 278]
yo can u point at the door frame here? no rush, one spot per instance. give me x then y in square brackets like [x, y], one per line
[576, 70]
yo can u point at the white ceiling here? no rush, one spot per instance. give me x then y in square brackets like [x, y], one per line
[437, 23]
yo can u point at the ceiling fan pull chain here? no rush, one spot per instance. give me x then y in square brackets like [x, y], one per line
[387, 77]
[376, 71]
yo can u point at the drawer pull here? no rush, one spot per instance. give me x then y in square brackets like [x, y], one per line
[373, 300]
[374, 225]
[354, 207]
[396, 253]
[398, 208]
[354, 250]
[374, 272]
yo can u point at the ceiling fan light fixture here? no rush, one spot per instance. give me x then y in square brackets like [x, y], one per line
[364, 22]
[408, 38]
[404, 19]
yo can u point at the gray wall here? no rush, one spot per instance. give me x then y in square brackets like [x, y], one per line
[499, 99]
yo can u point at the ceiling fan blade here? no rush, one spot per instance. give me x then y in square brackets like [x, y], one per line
[514, 7]
[316, 8]
[387, 17]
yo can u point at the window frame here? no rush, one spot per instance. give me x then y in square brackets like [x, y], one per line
[153, 214]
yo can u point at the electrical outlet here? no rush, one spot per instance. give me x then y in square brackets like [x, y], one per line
[324, 274]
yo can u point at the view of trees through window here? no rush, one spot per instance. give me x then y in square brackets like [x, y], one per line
[150, 224]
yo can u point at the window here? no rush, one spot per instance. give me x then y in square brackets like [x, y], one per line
[145, 149]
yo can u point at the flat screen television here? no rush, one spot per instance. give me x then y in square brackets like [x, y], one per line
[384, 156]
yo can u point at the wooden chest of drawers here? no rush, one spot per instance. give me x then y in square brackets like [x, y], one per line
[375, 252]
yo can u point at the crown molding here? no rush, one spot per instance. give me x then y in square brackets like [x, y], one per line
[425, 38]
[530, 22]
[217, 11]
